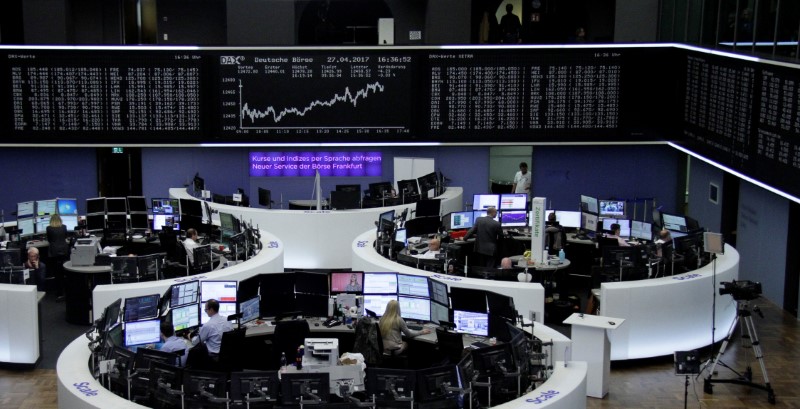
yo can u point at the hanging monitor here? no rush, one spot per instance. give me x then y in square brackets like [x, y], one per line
[589, 204]
[96, 205]
[612, 208]
[45, 207]
[116, 205]
[514, 201]
[485, 201]
[25, 209]
[67, 206]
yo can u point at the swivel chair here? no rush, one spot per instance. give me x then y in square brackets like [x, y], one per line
[288, 336]
[390, 358]
[450, 345]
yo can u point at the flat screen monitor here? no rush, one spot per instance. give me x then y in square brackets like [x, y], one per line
[468, 299]
[312, 305]
[141, 308]
[407, 187]
[482, 213]
[513, 218]
[96, 205]
[142, 332]
[386, 221]
[311, 283]
[485, 201]
[439, 312]
[412, 285]
[427, 182]
[612, 208]
[226, 222]
[380, 283]
[253, 386]
[461, 220]
[67, 206]
[432, 383]
[26, 226]
[624, 226]
[566, 218]
[412, 308]
[185, 317]
[343, 200]
[513, 201]
[380, 190]
[116, 205]
[140, 221]
[41, 223]
[164, 206]
[439, 293]
[184, 293]
[95, 222]
[348, 188]
[111, 314]
[225, 309]
[117, 222]
[673, 222]
[250, 310]
[387, 384]
[501, 305]
[137, 204]
[70, 222]
[428, 207]
[198, 183]
[589, 204]
[25, 209]
[277, 294]
[641, 230]
[202, 259]
[191, 207]
[473, 323]
[222, 291]
[161, 220]
[401, 236]
[589, 222]
[494, 360]
[377, 303]
[347, 282]
[299, 386]
[45, 207]
[200, 386]
[10, 257]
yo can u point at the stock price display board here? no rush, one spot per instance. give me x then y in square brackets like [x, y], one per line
[744, 115]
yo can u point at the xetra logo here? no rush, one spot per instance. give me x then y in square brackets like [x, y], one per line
[231, 60]
[84, 388]
[446, 278]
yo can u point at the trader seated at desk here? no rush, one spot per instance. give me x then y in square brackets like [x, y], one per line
[190, 243]
[434, 249]
[392, 324]
[211, 332]
[615, 229]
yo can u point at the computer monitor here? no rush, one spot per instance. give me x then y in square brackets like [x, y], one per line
[482, 213]
[111, 314]
[466, 371]
[96, 205]
[468, 299]
[494, 360]
[348, 188]
[198, 183]
[428, 207]
[116, 205]
[312, 305]
[164, 377]
[161, 220]
[10, 257]
[439, 292]
[46, 207]
[199, 386]
[427, 182]
[485, 201]
[380, 283]
[308, 282]
[624, 226]
[117, 222]
[191, 207]
[226, 222]
[184, 293]
[347, 282]
[461, 220]
[95, 222]
[513, 218]
[377, 303]
[141, 308]
[185, 317]
[344, 200]
[433, 383]
[501, 305]
[137, 204]
[589, 205]
[67, 206]
[473, 323]
[27, 226]
[142, 332]
[164, 206]
[225, 309]
[222, 291]
[412, 308]
[589, 222]
[41, 224]
[439, 312]
[139, 221]
[305, 386]
[673, 222]
[401, 237]
[386, 222]
[388, 384]
[564, 218]
[513, 201]
[408, 188]
[150, 265]
[255, 386]
[380, 190]
[202, 258]
[277, 294]
[612, 208]
[26, 209]
[641, 230]
[69, 221]
[413, 285]
[250, 310]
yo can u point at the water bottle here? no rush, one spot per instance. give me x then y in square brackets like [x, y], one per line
[561, 255]
[283, 361]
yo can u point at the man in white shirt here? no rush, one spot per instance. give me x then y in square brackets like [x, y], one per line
[434, 248]
[522, 180]
[211, 331]
[190, 243]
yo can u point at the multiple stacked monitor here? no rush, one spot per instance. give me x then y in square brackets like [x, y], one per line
[385, 193]
[33, 216]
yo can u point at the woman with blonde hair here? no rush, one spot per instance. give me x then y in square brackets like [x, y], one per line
[58, 250]
[392, 324]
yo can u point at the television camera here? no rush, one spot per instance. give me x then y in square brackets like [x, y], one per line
[741, 290]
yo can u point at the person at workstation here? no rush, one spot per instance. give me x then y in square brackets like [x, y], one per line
[522, 180]
[506, 263]
[353, 285]
[190, 243]
[173, 343]
[58, 251]
[434, 248]
[211, 332]
[554, 235]
[488, 232]
[615, 229]
[392, 325]
[38, 268]
[664, 244]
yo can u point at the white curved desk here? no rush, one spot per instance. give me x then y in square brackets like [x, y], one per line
[268, 260]
[320, 239]
[527, 296]
[672, 313]
[19, 324]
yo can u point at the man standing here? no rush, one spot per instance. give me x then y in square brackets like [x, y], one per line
[522, 180]
[488, 231]
[211, 332]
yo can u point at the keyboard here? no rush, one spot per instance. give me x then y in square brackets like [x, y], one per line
[415, 327]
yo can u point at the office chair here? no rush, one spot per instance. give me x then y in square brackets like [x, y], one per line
[232, 350]
[390, 358]
[265, 198]
[450, 345]
[288, 336]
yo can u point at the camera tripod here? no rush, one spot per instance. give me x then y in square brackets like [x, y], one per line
[744, 317]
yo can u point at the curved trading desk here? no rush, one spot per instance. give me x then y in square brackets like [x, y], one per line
[268, 260]
[320, 238]
[528, 297]
[19, 324]
[673, 313]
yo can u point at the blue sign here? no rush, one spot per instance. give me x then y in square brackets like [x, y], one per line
[543, 397]
[686, 277]
[83, 387]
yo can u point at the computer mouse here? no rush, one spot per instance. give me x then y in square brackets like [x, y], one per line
[316, 324]
[349, 326]
[612, 323]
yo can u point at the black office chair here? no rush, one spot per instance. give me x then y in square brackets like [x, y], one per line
[450, 345]
[288, 336]
[232, 351]
[265, 198]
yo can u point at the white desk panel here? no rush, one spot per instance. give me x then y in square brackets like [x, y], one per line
[19, 324]
[565, 389]
[320, 238]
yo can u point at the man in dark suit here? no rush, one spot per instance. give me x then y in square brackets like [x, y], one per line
[488, 232]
